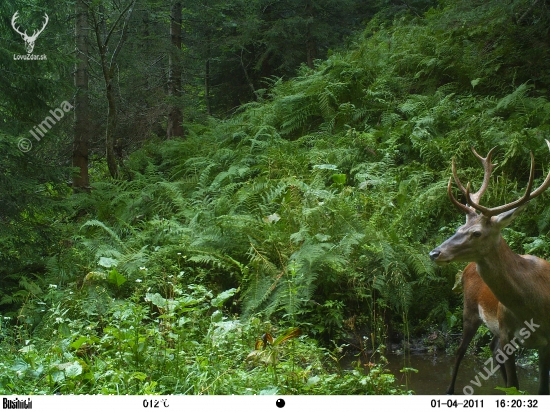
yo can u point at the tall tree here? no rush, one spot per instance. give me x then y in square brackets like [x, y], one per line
[108, 64]
[82, 106]
[237, 45]
[311, 45]
[175, 117]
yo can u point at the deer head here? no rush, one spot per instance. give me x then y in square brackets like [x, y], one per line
[29, 40]
[481, 233]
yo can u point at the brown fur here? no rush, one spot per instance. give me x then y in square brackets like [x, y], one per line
[476, 294]
[521, 283]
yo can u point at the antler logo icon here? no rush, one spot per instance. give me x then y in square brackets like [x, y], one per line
[29, 40]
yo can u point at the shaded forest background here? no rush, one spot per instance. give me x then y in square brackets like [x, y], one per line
[245, 192]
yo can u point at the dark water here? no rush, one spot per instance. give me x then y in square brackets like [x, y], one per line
[434, 375]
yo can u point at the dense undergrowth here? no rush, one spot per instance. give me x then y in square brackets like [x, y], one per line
[312, 208]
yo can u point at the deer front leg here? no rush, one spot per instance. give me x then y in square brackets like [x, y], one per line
[510, 368]
[505, 355]
[494, 345]
[470, 327]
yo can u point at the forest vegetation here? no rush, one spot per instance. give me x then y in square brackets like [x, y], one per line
[244, 193]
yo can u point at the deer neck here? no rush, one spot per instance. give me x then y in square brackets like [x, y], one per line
[502, 271]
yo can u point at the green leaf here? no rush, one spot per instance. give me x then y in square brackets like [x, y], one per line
[157, 300]
[325, 167]
[64, 330]
[511, 391]
[139, 376]
[339, 178]
[475, 82]
[20, 365]
[79, 342]
[219, 300]
[107, 262]
[73, 369]
[313, 381]
[269, 391]
[452, 320]
[217, 316]
[116, 278]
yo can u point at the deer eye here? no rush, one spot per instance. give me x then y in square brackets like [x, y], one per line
[476, 233]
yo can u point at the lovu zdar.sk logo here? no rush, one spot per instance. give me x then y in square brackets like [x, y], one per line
[29, 40]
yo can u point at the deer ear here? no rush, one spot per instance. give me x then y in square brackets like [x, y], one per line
[505, 218]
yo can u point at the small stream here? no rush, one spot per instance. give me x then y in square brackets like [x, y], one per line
[434, 375]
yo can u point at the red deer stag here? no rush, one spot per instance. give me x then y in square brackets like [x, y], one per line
[480, 306]
[521, 283]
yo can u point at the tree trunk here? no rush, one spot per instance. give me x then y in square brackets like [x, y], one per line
[82, 125]
[175, 116]
[311, 51]
[108, 67]
[207, 85]
[247, 77]
[111, 126]
[311, 46]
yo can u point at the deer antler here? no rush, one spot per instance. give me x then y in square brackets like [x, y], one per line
[466, 209]
[474, 198]
[36, 33]
[29, 40]
[15, 16]
[488, 169]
